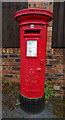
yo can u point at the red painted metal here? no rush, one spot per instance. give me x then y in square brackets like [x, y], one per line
[32, 67]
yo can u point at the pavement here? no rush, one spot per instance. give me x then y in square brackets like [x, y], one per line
[47, 112]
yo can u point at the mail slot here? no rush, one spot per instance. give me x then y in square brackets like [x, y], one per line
[33, 36]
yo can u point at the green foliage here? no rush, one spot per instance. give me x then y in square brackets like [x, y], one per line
[49, 92]
[5, 83]
[17, 102]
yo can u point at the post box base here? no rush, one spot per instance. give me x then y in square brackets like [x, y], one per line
[32, 105]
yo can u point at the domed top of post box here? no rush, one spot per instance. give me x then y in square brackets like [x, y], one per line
[33, 13]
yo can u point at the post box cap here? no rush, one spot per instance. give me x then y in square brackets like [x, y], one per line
[33, 11]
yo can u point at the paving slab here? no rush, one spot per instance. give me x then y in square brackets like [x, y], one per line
[47, 112]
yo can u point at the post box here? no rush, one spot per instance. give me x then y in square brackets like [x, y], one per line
[33, 36]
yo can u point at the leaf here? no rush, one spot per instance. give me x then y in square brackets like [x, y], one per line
[46, 101]
[49, 91]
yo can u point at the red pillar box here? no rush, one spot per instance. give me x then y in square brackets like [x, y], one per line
[33, 36]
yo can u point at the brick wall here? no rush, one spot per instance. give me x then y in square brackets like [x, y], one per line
[11, 64]
[54, 70]
[54, 66]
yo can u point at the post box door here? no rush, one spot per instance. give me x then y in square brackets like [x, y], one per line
[33, 66]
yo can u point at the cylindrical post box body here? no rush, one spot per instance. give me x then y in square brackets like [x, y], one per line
[33, 36]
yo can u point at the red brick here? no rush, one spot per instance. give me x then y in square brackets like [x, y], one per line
[11, 79]
[16, 50]
[5, 63]
[58, 71]
[49, 33]
[14, 63]
[15, 72]
[9, 59]
[58, 57]
[3, 50]
[5, 72]
[49, 38]
[60, 66]
[0, 51]
[52, 70]
[58, 52]
[49, 28]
